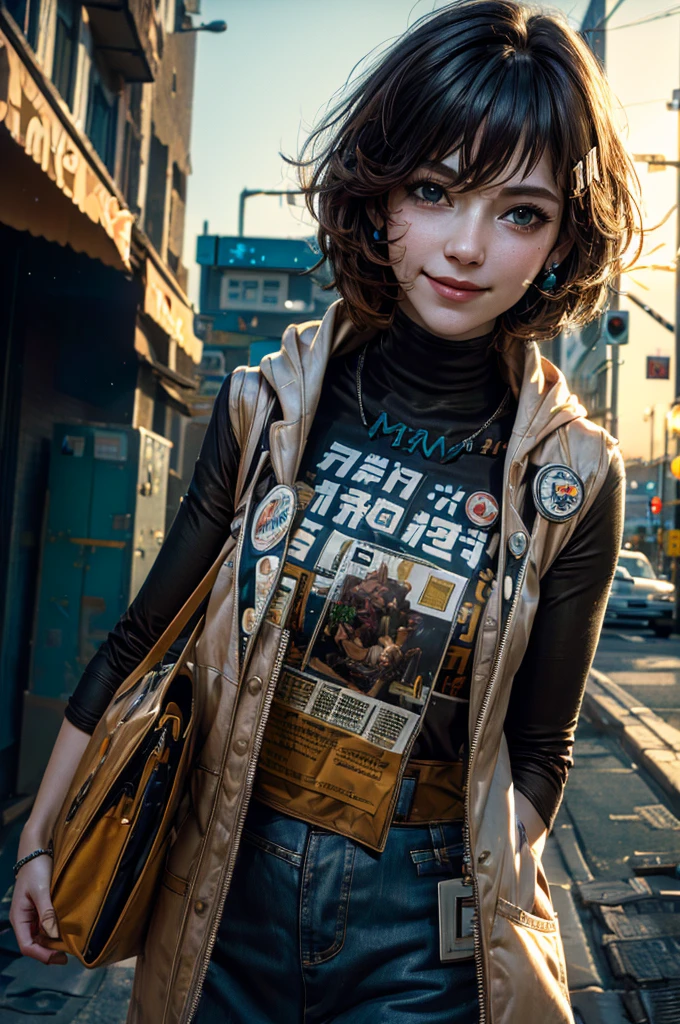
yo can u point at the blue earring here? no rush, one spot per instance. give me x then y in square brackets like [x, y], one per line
[376, 235]
[550, 280]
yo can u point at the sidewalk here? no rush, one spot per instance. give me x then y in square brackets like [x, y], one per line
[617, 814]
[650, 740]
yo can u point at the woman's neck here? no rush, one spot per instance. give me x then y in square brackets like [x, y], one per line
[418, 363]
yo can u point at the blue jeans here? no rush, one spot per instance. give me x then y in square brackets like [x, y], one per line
[318, 928]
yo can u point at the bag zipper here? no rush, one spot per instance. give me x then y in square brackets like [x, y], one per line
[248, 787]
[470, 878]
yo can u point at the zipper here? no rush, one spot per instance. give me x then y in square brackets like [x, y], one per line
[250, 779]
[470, 877]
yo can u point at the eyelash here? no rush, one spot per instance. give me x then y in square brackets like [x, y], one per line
[543, 218]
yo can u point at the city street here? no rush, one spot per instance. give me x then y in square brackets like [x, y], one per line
[646, 666]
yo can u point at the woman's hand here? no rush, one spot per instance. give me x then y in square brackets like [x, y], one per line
[32, 913]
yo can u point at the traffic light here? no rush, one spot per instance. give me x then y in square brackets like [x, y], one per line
[616, 327]
[655, 505]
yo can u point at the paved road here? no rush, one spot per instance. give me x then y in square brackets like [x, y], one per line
[648, 668]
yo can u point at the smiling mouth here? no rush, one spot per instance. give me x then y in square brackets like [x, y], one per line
[454, 290]
[460, 286]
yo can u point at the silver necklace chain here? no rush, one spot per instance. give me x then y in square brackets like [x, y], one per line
[459, 444]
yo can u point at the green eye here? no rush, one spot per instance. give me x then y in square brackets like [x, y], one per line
[523, 216]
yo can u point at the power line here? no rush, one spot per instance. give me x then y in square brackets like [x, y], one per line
[668, 13]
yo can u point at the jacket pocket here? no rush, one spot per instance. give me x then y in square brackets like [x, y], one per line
[519, 916]
[528, 945]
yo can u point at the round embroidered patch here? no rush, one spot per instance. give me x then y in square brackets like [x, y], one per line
[558, 492]
[481, 509]
[272, 517]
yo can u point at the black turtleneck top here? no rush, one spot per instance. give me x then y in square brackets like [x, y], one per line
[422, 396]
[401, 482]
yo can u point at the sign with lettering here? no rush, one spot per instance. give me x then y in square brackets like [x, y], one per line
[171, 312]
[33, 122]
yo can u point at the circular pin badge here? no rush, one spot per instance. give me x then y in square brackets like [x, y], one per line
[272, 517]
[249, 621]
[558, 492]
[517, 542]
[481, 509]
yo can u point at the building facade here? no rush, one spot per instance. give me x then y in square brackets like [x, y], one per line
[95, 324]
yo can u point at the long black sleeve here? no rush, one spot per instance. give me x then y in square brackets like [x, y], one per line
[193, 543]
[548, 688]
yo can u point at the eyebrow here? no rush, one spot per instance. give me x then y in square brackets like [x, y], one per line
[539, 191]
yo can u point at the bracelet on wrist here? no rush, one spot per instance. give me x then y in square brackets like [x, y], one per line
[49, 851]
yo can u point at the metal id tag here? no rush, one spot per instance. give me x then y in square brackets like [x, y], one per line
[456, 911]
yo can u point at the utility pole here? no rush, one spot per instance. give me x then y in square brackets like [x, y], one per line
[248, 192]
[675, 105]
[614, 400]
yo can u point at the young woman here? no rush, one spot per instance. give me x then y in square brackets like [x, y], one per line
[395, 654]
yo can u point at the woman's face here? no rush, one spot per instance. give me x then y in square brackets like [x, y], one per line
[469, 257]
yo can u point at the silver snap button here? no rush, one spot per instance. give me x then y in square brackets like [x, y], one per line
[254, 685]
[507, 588]
[200, 907]
[240, 747]
[517, 543]
[484, 856]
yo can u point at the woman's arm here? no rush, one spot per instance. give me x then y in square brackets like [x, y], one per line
[31, 905]
[548, 688]
[192, 545]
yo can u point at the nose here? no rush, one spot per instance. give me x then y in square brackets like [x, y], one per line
[465, 242]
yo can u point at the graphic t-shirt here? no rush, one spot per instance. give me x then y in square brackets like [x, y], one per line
[389, 566]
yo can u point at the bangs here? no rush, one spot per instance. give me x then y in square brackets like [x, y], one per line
[494, 103]
[502, 118]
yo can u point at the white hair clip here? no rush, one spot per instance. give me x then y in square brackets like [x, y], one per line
[584, 173]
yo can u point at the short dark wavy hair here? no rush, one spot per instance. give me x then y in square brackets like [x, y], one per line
[512, 81]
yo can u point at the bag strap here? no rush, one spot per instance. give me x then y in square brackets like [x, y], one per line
[252, 414]
[175, 627]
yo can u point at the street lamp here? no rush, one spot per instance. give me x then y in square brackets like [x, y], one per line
[246, 194]
[211, 26]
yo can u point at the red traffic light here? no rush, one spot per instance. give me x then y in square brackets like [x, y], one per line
[655, 505]
[616, 325]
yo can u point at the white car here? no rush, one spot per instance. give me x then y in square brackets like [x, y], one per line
[638, 594]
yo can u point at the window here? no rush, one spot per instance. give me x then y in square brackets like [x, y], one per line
[154, 220]
[179, 182]
[252, 291]
[66, 48]
[132, 146]
[637, 565]
[26, 14]
[102, 110]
